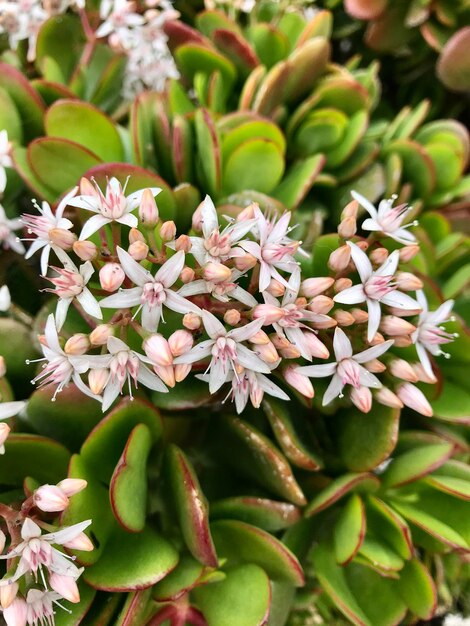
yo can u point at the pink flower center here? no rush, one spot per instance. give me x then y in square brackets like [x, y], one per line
[124, 366]
[275, 252]
[349, 372]
[114, 206]
[68, 284]
[153, 294]
[433, 335]
[218, 245]
[393, 218]
[38, 225]
[291, 316]
[378, 286]
[225, 349]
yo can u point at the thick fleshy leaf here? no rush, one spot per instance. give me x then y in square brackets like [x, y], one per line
[182, 149]
[266, 514]
[416, 588]
[186, 575]
[271, 91]
[211, 20]
[179, 33]
[187, 198]
[190, 506]
[349, 530]
[50, 92]
[418, 166]
[136, 610]
[22, 166]
[452, 404]
[380, 555]
[247, 130]
[85, 125]
[256, 164]
[237, 49]
[128, 487]
[386, 523]
[28, 102]
[321, 25]
[16, 348]
[252, 454]
[270, 43]
[322, 248]
[140, 125]
[339, 488]
[353, 134]
[242, 543]
[453, 66]
[193, 57]
[208, 144]
[104, 445]
[10, 119]
[306, 64]
[246, 588]
[298, 181]
[31, 455]
[416, 463]
[190, 394]
[76, 613]
[152, 559]
[59, 44]
[448, 484]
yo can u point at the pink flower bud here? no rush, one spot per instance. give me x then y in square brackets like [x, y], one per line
[158, 351]
[275, 288]
[316, 348]
[135, 235]
[378, 256]
[72, 486]
[394, 326]
[269, 312]
[267, 352]
[347, 228]
[350, 210]
[65, 586]
[81, 542]
[97, 380]
[85, 250]
[376, 339]
[301, 303]
[375, 366]
[8, 592]
[50, 498]
[408, 252]
[328, 322]
[248, 212]
[181, 371]
[361, 398]
[343, 318]
[245, 262]
[422, 375]
[217, 273]
[166, 373]
[3, 367]
[87, 188]
[298, 381]
[408, 282]
[362, 244]
[168, 231]
[183, 243]
[192, 321]
[232, 317]
[4, 432]
[360, 316]
[148, 210]
[321, 305]
[312, 287]
[16, 613]
[404, 312]
[414, 398]
[138, 250]
[62, 238]
[260, 338]
[77, 344]
[339, 259]
[291, 352]
[341, 284]
[180, 342]
[196, 221]
[386, 397]
[111, 276]
[402, 369]
[99, 336]
[279, 341]
[403, 341]
[187, 275]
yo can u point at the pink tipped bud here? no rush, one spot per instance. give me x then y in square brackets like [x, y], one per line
[260, 338]
[4, 432]
[279, 341]
[158, 350]
[85, 250]
[111, 276]
[138, 250]
[339, 259]
[408, 282]
[62, 238]
[360, 316]
[97, 380]
[180, 342]
[72, 486]
[148, 210]
[196, 221]
[422, 375]
[267, 352]
[321, 305]
[99, 336]
[347, 228]
[183, 243]
[248, 212]
[3, 367]
[326, 322]
[81, 542]
[343, 318]
[50, 498]
[386, 397]
[408, 252]
[378, 256]
[181, 371]
[402, 369]
[192, 321]
[168, 231]
[166, 373]
[291, 352]
[135, 235]
[77, 344]
[269, 312]
[245, 262]
[232, 317]
[65, 586]
[350, 210]
[16, 613]
[403, 341]
[8, 593]
[404, 312]
[375, 366]
[362, 244]
[187, 275]
[298, 381]
[217, 273]
[301, 303]
[87, 188]
[394, 326]
[377, 339]
[275, 288]
[316, 348]
[341, 284]
[312, 287]
[414, 398]
[361, 398]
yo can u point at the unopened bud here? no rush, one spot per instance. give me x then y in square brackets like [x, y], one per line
[402, 369]
[196, 221]
[386, 397]
[138, 250]
[360, 316]
[97, 380]
[347, 228]
[298, 381]
[275, 288]
[325, 322]
[414, 398]
[187, 275]
[301, 303]
[361, 398]
[403, 341]
[408, 252]
[378, 256]
[8, 592]
[166, 373]
[362, 244]
[158, 350]
[87, 188]
[248, 212]
[135, 235]
[192, 321]
[168, 231]
[65, 586]
[216, 273]
[4, 432]
[81, 542]
[50, 498]
[245, 262]
[339, 259]
[279, 341]
[394, 326]
[377, 339]
[62, 238]
[404, 312]
[267, 352]
[260, 338]
[291, 352]
[423, 375]
[408, 282]
[72, 486]
[181, 371]
[180, 342]
[350, 210]
[341, 284]
[111, 276]
[312, 287]
[85, 250]
[183, 243]
[77, 344]
[232, 317]
[343, 318]
[316, 347]
[3, 367]
[321, 305]
[375, 366]
[99, 336]
[148, 210]
[269, 312]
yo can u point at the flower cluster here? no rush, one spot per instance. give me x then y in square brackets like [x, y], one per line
[243, 314]
[40, 575]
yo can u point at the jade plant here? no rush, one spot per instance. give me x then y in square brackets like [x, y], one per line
[233, 270]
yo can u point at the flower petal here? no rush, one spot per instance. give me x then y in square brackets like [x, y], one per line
[66, 534]
[389, 267]
[318, 371]
[89, 303]
[92, 225]
[365, 203]
[245, 332]
[150, 380]
[169, 272]
[209, 217]
[333, 390]
[10, 409]
[251, 361]
[122, 299]
[212, 325]
[61, 311]
[351, 295]
[361, 261]
[400, 300]
[134, 270]
[177, 303]
[374, 352]
[375, 313]
[341, 345]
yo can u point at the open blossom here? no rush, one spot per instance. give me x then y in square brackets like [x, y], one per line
[387, 219]
[118, 16]
[44, 227]
[5, 159]
[430, 335]
[347, 369]
[8, 239]
[151, 292]
[22, 20]
[376, 288]
[275, 250]
[226, 350]
[223, 291]
[113, 206]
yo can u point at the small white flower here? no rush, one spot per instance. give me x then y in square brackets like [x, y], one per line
[346, 370]
[118, 16]
[456, 620]
[252, 385]
[222, 291]
[387, 219]
[376, 287]
[8, 239]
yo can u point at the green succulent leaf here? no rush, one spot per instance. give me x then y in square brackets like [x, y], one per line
[385, 523]
[349, 530]
[27, 101]
[417, 589]
[339, 487]
[267, 514]
[255, 164]
[416, 463]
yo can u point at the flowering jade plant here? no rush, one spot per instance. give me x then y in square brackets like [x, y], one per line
[232, 268]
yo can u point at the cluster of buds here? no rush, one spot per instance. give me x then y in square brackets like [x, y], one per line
[246, 317]
[40, 573]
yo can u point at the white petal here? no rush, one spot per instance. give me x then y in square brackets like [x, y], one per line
[341, 345]
[63, 204]
[199, 352]
[243, 296]
[293, 290]
[389, 267]
[150, 380]
[198, 251]
[212, 325]
[351, 295]
[371, 224]
[296, 337]
[89, 203]
[270, 388]
[367, 379]
[169, 272]
[264, 276]
[441, 314]
[195, 288]
[30, 530]
[177, 303]
[45, 259]
[374, 352]
[318, 371]
[61, 311]
[333, 390]
[400, 300]
[365, 203]
[375, 313]
[128, 220]
[280, 229]
[10, 409]
[134, 270]
[423, 357]
[66, 534]
[134, 199]
[402, 235]
[50, 333]
[361, 261]
[209, 218]
[92, 225]
[116, 345]
[84, 389]
[124, 298]
[251, 361]
[87, 270]
[218, 374]
[245, 332]
[90, 303]
[34, 247]
[151, 317]
[422, 300]
[110, 394]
